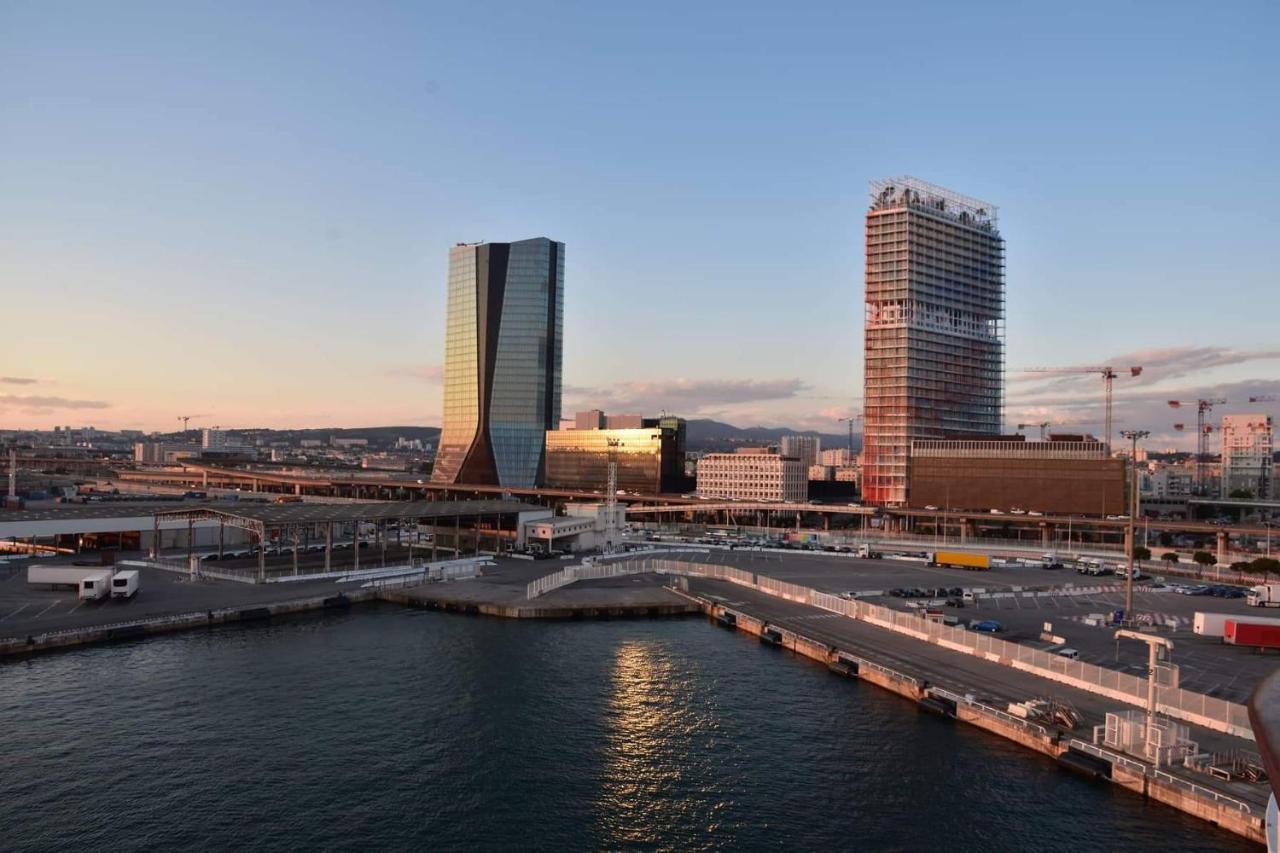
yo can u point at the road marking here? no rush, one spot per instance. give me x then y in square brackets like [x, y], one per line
[47, 609]
[16, 612]
[74, 609]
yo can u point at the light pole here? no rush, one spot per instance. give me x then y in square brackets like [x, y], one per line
[1133, 435]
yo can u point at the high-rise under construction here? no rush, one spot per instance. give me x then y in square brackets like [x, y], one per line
[934, 349]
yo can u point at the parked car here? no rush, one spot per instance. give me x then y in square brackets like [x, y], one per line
[986, 626]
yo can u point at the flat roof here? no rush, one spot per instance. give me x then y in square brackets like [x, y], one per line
[314, 513]
[107, 509]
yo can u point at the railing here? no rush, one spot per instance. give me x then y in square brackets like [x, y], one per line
[1200, 790]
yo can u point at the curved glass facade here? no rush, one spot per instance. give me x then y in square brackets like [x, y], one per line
[503, 356]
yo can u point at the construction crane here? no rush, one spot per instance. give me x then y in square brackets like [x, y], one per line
[186, 419]
[1108, 375]
[1044, 426]
[851, 419]
[1203, 408]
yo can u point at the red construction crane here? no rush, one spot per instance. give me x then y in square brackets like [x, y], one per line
[1203, 408]
[1108, 375]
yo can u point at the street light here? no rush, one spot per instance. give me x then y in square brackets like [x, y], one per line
[1133, 435]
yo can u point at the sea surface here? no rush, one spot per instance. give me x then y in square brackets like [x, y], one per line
[389, 728]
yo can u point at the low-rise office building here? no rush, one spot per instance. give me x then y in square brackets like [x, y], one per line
[1064, 475]
[752, 474]
[650, 457]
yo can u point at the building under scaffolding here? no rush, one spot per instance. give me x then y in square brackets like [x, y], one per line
[934, 346]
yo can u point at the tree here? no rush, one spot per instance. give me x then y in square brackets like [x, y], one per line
[1265, 566]
[1204, 559]
[1169, 557]
[1241, 494]
[1140, 553]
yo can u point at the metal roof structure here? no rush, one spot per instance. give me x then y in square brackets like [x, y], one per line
[256, 517]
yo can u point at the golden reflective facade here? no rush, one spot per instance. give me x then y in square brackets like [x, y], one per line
[579, 459]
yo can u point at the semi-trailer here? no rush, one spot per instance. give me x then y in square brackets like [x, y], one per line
[124, 584]
[960, 560]
[1241, 633]
[96, 586]
[1214, 624]
[61, 575]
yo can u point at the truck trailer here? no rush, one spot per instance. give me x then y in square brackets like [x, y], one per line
[61, 575]
[1242, 633]
[960, 560]
[1215, 624]
[96, 586]
[124, 584]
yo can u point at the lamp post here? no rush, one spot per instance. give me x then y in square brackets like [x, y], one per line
[1133, 435]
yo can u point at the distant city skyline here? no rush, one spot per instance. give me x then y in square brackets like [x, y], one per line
[206, 212]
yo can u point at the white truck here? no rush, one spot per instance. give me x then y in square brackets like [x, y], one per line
[1264, 595]
[61, 575]
[96, 586]
[124, 584]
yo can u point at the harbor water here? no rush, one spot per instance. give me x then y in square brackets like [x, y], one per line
[391, 728]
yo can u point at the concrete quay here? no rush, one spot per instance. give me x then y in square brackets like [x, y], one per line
[977, 691]
[501, 592]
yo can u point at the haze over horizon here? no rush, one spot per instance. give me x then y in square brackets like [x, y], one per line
[246, 212]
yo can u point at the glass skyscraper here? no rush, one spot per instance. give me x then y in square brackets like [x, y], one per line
[502, 363]
[934, 348]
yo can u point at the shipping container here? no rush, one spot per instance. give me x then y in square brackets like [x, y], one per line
[1252, 634]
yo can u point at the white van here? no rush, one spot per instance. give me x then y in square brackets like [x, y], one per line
[124, 584]
[1070, 654]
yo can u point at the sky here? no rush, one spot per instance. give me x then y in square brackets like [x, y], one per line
[242, 212]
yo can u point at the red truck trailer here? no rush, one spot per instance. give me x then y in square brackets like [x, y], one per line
[1238, 632]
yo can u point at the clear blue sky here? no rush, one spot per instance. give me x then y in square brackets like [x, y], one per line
[244, 209]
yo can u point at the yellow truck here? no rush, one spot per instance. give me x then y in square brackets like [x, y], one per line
[961, 560]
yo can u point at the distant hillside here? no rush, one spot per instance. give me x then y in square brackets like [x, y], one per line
[708, 435]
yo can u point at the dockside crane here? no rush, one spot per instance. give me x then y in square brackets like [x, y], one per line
[1203, 408]
[1108, 375]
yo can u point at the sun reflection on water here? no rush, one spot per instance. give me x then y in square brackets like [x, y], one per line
[657, 778]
